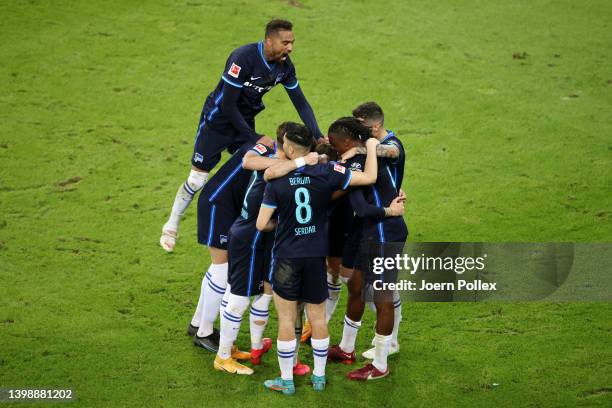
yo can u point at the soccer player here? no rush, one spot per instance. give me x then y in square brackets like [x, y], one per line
[302, 200]
[219, 206]
[228, 116]
[390, 147]
[249, 253]
[391, 150]
[377, 226]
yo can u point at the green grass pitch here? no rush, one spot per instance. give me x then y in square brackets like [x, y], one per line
[504, 109]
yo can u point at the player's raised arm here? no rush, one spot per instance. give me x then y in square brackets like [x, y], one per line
[305, 111]
[384, 151]
[371, 166]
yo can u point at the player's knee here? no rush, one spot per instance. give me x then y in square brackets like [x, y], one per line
[196, 180]
[354, 286]
[218, 256]
[237, 305]
[218, 274]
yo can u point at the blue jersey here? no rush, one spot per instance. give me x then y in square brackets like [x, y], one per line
[246, 68]
[229, 184]
[302, 199]
[395, 166]
[388, 229]
[244, 226]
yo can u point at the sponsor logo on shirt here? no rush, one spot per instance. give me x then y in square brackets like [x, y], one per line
[234, 70]
[339, 168]
[198, 158]
[259, 89]
[356, 166]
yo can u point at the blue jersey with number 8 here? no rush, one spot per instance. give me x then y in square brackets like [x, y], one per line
[302, 199]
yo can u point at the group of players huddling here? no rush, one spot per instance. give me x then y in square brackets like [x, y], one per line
[291, 219]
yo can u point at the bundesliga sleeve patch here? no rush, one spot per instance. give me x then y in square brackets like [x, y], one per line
[261, 149]
[339, 168]
[234, 70]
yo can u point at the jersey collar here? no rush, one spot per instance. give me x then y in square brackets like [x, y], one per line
[389, 134]
[261, 54]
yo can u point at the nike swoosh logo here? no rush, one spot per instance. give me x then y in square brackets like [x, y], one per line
[254, 78]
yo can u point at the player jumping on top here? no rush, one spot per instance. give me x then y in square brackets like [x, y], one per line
[228, 116]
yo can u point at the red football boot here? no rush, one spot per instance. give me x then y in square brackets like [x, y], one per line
[256, 354]
[369, 372]
[301, 369]
[335, 353]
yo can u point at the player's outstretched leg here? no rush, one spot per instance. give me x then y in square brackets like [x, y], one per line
[183, 198]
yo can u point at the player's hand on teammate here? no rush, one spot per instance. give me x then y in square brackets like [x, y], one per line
[312, 158]
[396, 208]
[402, 196]
[265, 140]
[349, 154]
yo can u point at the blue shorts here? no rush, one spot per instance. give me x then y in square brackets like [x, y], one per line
[212, 138]
[300, 279]
[249, 263]
[214, 222]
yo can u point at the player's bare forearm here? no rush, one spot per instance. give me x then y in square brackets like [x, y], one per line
[264, 217]
[286, 166]
[254, 161]
[371, 166]
[270, 226]
[383, 151]
[279, 169]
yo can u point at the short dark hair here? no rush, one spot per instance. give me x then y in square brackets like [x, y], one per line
[299, 134]
[350, 127]
[281, 130]
[276, 25]
[369, 111]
